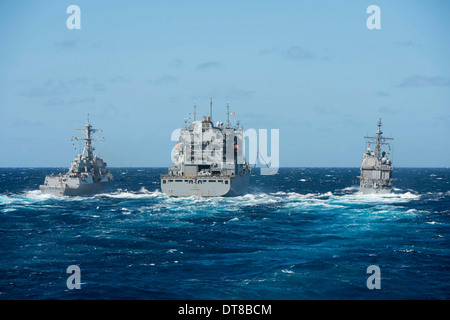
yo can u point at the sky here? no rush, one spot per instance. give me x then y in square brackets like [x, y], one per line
[311, 69]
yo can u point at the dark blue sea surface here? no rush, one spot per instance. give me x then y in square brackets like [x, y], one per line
[305, 233]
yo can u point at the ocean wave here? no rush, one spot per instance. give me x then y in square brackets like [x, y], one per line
[280, 197]
[351, 188]
[287, 202]
[355, 196]
[390, 198]
[27, 197]
[156, 202]
[143, 193]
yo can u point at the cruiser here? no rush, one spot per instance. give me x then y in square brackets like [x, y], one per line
[87, 174]
[208, 160]
[376, 168]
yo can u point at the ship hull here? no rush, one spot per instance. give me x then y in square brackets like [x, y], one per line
[176, 186]
[87, 189]
[376, 181]
[373, 190]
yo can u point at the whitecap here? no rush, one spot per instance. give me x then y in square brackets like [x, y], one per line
[26, 197]
[125, 211]
[287, 271]
[351, 188]
[143, 193]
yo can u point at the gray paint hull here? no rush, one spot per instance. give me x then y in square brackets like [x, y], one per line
[87, 189]
[376, 180]
[368, 190]
[175, 186]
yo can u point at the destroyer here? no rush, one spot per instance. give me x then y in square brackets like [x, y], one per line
[376, 168]
[87, 174]
[208, 161]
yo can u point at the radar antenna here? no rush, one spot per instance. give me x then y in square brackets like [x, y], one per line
[88, 148]
[379, 140]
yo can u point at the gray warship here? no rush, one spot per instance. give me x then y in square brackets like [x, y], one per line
[208, 160]
[87, 174]
[376, 168]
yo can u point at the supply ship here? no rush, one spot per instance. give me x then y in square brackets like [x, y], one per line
[208, 160]
[376, 168]
[87, 174]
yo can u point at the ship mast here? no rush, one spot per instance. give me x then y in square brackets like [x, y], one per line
[228, 114]
[210, 109]
[378, 146]
[379, 140]
[88, 148]
[195, 112]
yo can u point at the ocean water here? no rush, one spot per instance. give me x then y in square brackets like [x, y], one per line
[305, 233]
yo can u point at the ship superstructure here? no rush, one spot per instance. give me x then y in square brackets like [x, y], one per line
[87, 174]
[208, 160]
[376, 168]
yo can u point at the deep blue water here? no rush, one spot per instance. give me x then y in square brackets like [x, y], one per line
[303, 234]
